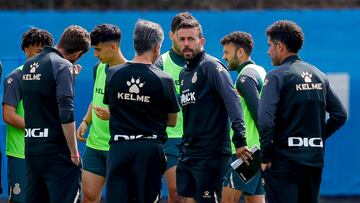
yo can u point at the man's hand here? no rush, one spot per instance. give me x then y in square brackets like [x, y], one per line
[81, 131]
[102, 113]
[77, 69]
[265, 166]
[75, 158]
[244, 153]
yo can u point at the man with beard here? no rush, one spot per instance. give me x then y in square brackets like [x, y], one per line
[292, 119]
[172, 63]
[237, 48]
[52, 159]
[208, 99]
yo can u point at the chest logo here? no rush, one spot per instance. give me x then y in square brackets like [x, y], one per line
[135, 85]
[194, 78]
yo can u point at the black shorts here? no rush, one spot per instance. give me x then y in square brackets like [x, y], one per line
[134, 171]
[286, 183]
[201, 178]
[52, 178]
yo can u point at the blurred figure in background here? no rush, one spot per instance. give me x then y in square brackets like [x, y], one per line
[32, 43]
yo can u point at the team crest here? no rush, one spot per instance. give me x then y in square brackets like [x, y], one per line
[194, 78]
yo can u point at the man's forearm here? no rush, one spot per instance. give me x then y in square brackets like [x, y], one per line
[70, 136]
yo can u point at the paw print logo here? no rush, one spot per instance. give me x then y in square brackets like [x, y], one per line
[33, 67]
[134, 85]
[266, 81]
[9, 80]
[242, 79]
[307, 76]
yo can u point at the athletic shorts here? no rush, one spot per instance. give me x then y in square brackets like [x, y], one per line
[286, 183]
[171, 149]
[95, 161]
[201, 178]
[252, 187]
[16, 179]
[52, 178]
[134, 171]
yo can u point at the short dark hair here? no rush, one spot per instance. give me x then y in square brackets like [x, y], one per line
[147, 35]
[179, 18]
[189, 24]
[287, 32]
[74, 38]
[35, 36]
[105, 33]
[239, 39]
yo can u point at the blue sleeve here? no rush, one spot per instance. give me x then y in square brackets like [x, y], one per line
[220, 81]
[159, 63]
[12, 89]
[64, 91]
[248, 87]
[270, 97]
[337, 112]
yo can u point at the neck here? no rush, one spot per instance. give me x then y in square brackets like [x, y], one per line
[286, 55]
[118, 59]
[175, 50]
[145, 58]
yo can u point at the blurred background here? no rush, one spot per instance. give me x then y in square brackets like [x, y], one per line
[332, 43]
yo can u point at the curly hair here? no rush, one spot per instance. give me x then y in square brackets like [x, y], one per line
[287, 32]
[239, 39]
[35, 36]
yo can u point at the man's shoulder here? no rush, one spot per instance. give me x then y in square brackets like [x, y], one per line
[159, 73]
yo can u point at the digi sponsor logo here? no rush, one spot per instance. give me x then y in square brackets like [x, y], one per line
[134, 137]
[36, 132]
[308, 85]
[32, 76]
[305, 142]
[134, 91]
[187, 97]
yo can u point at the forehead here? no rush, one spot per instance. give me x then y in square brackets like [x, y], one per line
[102, 45]
[229, 47]
[35, 46]
[188, 32]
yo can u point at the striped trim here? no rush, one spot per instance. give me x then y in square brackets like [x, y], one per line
[77, 197]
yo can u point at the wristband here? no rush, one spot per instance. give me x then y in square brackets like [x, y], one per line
[87, 124]
[75, 155]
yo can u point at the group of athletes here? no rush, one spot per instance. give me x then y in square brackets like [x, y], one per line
[167, 115]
